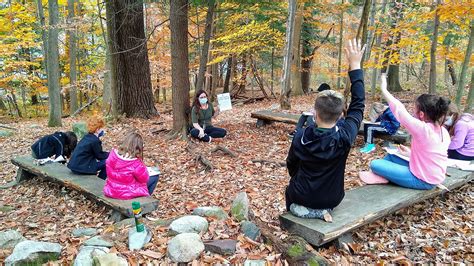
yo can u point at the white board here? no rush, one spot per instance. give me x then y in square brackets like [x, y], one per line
[224, 101]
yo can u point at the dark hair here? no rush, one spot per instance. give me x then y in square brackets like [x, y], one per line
[71, 142]
[434, 107]
[329, 106]
[324, 87]
[196, 103]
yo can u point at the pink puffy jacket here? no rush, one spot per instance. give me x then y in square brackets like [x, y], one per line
[126, 178]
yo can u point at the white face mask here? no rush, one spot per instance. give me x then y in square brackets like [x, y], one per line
[449, 121]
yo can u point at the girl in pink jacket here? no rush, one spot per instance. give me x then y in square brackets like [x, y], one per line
[127, 175]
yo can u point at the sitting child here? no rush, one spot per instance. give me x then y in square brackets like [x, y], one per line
[57, 144]
[127, 175]
[429, 144]
[88, 157]
[461, 129]
[317, 157]
[387, 124]
[201, 117]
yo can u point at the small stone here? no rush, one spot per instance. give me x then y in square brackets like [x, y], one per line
[109, 259]
[9, 239]
[240, 207]
[80, 129]
[86, 253]
[5, 133]
[254, 263]
[189, 224]
[33, 253]
[222, 247]
[78, 232]
[35, 126]
[125, 222]
[213, 211]
[98, 242]
[32, 225]
[185, 247]
[250, 230]
[136, 240]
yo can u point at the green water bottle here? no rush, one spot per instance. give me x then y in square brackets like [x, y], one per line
[137, 213]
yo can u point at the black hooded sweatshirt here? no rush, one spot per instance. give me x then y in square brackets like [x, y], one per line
[317, 159]
[50, 145]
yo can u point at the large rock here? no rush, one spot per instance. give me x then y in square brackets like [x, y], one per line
[9, 239]
[33, 253]
[78, 232]
[97, 241]
[222, 247]
[185, 247]
[80, 128]
[250, 230]
[5, 133]
[213, 211]
[87, 253]
[240, 207]
[109, 259]
[136, 240]
[189, 224]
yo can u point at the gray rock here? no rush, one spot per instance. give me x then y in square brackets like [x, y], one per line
[109, 259]
[78, 232]
[33, 253]
[189, 224]
[125, 222]
[240, 207]
[9, 239]
[222, 247]
[86, 253]
[136, 240]
[185, 247]
[250, 230]
[97, 241]
[5, 133]
[80, 128]
[213, 211]
[254, 263]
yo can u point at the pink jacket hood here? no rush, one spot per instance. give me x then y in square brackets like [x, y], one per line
[126, 177]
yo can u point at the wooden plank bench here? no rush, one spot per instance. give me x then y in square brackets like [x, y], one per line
[89, 185]
[265, 117]
[363, 205]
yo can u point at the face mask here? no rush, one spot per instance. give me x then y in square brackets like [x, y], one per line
[101, 133]
[202, 100]
[449, 121]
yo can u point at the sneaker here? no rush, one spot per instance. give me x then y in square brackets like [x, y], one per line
[292, 134]
[368, 148]
[210, 139]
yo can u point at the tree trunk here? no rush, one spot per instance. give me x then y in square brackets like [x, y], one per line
[339, 56]
[130, 65]
[205, 46]
[470, 96]
[434, 44]
[243, 79]
[54, 92]
[286, 81]
[306, 57]
[228, 74]
[393, 68]
[179, 64]
[363, 25]
[72, 59]
[107, 94]
[296, 59]
[452, 72]
[378, 42]
[465, 65]
[371, 34]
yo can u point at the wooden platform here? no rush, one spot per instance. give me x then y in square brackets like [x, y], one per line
[364, 205]
[265, 117]
[89, 185]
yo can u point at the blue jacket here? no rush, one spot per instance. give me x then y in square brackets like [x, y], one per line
[317, 158]
[49, 145]
[84, 159]
[388, 121]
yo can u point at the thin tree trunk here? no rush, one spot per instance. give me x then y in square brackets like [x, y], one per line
[378, 42]
[54, 92]
[243, 79]
[205, 46]
[44, 36]
[72, 59]
[470, 96]
[393, 69]
[286, 81]
[228, 74]
[179, 64]
[272, 74]
[452, 72]
[371, 34]
[339, 57]
[363, 25]
[434, 44]
[296, 59]
[107, 95]
[465, 65]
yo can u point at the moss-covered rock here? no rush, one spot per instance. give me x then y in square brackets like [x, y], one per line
[240, 207]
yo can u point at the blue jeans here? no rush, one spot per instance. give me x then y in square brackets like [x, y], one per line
[305, 119]
[397, 171]
[152, 182]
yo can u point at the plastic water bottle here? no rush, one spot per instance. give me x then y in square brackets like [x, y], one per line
[137, 213]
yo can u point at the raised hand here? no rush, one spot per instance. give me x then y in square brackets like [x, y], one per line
[354, 52]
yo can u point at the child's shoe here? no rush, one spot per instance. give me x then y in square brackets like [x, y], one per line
[368, 148]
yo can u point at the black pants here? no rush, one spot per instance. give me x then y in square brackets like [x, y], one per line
[100, 168]
[209, 131]
[453, 154]
[370, 130]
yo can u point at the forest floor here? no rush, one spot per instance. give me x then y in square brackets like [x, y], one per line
[437, 230]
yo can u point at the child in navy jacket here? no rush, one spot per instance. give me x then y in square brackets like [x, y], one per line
[387, 125]
[57, 144]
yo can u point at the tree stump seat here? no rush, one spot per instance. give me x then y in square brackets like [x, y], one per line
[89, 185]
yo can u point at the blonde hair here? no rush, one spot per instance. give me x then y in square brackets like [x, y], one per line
[132, 145]
[95, 123]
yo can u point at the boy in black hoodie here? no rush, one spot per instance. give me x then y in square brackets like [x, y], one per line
[317, 157]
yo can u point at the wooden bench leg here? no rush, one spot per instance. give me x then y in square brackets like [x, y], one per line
[260, 123]
[117, 216]
[22, 175]
[343, 240]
